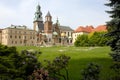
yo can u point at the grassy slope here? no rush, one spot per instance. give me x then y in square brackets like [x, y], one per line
[80, 57]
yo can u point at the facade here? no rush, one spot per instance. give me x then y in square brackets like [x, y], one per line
[18, 36]
[43, 32]
[49, 33]
[88, 29]
[68, 33]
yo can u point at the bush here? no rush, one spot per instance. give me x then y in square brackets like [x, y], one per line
[91, 72]
[15, 66]
[93, 39]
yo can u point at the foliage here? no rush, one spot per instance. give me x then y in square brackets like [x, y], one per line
[93, 39]
[82, 40]
[15, 66]
[114, 33]
[91, 72]
[56, 67]
[39, 74]
[98, 39]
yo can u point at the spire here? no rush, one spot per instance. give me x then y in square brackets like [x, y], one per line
[48, 14]
[48, 17]
[38, 8]
[57, 22]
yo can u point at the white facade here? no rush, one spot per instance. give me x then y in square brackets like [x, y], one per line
[76, 34]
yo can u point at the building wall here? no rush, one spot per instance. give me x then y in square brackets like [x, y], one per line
[18, 37]
[35, 26]
[68, 36]
[48, 27]
[49, 37]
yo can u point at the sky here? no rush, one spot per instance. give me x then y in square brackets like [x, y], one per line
[71, 13]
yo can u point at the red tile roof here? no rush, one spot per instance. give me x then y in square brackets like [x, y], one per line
[100, 28]
[89, 29]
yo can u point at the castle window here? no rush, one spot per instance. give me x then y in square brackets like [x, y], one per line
[33, 37]
[20, 41]
[68, 34]
[25, 37]
[15, 42]
[19, 37]
[15, 36]
[10, 36]
[49, 39]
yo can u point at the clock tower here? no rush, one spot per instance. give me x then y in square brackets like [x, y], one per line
[38, 20]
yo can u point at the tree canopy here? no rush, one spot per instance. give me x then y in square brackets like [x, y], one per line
[14, 66]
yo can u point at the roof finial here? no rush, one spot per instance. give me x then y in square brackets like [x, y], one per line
[57, 21]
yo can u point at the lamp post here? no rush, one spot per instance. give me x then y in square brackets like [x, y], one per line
[62, 38]
[54, 36]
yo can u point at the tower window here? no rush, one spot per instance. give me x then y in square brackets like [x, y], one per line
[39, 16]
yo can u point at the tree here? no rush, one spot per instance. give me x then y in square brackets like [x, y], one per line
[15, 66]
[98, 39]
[114, 33]
[92, 39]
[57, 67]
[91, 72]
[82, 40]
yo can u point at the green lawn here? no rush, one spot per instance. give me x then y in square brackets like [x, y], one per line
[80, 57]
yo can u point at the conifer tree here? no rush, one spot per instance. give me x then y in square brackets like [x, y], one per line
[114, 33]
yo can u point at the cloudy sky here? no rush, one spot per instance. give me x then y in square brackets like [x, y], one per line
[71, 13]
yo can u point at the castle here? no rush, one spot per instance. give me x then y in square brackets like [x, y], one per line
[43, 33]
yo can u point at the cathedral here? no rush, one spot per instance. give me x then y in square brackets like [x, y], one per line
[49, 33]
[43, 32]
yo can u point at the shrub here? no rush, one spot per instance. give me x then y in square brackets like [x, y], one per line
[91, 72]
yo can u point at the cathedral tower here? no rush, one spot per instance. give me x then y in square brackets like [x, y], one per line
[48, 23]
[38, 20]
[48, 26]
